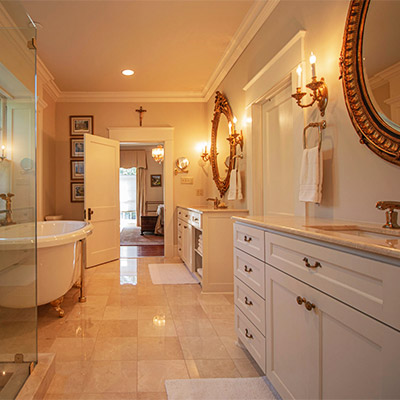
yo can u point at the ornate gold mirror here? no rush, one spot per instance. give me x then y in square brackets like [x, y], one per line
[370, 64]
[221, 147]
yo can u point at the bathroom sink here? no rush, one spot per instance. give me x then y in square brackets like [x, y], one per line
[360, 231]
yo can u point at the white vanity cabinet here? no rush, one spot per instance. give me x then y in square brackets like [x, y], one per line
[205, 245]
[331, 332]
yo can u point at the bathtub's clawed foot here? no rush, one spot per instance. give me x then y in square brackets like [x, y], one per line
[78, 284]
[82, 299]
[56, 304]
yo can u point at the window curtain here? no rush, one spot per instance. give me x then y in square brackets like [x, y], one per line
[137, 159]
[140, 194]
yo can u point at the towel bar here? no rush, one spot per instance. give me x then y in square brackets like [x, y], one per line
[320, 125]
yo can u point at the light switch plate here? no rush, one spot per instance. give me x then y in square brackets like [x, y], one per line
[187, 180]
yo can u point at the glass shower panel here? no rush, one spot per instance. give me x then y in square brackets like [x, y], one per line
[18, 311]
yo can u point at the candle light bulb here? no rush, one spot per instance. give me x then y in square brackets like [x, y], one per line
[234, 120]
[313, 60]
[299, 71]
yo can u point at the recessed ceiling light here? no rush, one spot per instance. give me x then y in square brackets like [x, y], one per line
[127, 72]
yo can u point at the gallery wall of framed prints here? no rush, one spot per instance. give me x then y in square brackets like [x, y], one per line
[79, 125]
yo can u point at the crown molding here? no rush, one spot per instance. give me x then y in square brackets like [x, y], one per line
[130, 97]
[47, 79]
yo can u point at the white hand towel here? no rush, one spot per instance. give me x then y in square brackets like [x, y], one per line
[232, 186]
[311, 175]
[239, 194]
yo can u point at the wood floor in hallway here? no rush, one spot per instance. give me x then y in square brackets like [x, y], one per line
[130, 335]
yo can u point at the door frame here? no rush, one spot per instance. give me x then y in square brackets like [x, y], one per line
[164, 135]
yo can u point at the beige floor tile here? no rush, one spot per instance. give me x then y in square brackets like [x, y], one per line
[86, 312]
[122, 301]
[156, 327]
[159, 348]
[152, 396]
[248, 368]
[188, 312]
[62, 396]
[230, 298]
[213, 369]
[108, 396]
[203, 348]
[118, 328]
[152, 300]
[146, 312]
[194, 327]
[112, 377]
[79, 328]
[96, 301]
[70, 377]
[192, 369]
[213, 299]
[235, 351]
[224, 327]
[115, 348]
[73, 349]
[153, 290]
[123, 290]
[44, 345]
[120, 312]
[152, 374]
[214, 311]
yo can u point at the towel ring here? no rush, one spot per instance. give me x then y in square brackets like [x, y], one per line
[320, 125]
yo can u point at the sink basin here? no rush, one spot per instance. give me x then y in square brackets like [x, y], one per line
[359, 231]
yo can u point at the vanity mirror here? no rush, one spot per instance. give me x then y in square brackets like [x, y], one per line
[222, 150]
[370, 68]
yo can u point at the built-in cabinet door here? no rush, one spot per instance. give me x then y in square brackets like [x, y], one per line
[329, 351]
[187, 244]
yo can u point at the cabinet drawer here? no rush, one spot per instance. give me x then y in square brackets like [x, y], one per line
[252, 339]
[250, 240]
[365, 284]
[195, 219]
[250, 271]
[251, 304]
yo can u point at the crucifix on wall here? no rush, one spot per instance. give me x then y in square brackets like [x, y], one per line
[141, 110]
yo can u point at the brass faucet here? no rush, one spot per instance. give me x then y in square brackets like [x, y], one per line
[391, 215]
[8, 219]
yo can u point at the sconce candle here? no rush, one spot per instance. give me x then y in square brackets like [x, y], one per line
[299, 70]
[313, 59]
[3, 152]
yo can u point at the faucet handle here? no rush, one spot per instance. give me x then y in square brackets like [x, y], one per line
[391, 215]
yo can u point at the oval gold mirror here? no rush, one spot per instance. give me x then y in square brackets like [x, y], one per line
[221, 147]
[370, 67]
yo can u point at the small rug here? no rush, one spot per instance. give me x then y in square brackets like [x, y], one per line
[132, 237]
[171, 274]
[219, 389]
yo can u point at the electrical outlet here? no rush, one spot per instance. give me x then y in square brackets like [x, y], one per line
[199, 192]
[188, 180]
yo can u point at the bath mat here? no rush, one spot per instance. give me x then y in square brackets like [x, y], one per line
[171, 274]
[219, 389]
[132, 237]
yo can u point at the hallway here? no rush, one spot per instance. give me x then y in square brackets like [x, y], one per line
[131, 335]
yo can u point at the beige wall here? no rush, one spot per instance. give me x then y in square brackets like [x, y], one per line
[354, 177]
[188, 119]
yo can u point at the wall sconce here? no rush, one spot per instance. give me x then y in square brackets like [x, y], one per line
[319, 89]
[181, 164]
[236, 139]
[158, 154]
[205, 155]
[3, 153]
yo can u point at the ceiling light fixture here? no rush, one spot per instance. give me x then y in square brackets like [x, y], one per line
[127, 72]
[158, 154]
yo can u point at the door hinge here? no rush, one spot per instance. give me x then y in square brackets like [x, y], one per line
[32, 44]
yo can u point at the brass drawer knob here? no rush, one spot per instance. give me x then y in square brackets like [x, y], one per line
[247, 301]
[302, 300]
[247, 269]
[247, 239]
[248, 335]
[309, 306]
[308, 265]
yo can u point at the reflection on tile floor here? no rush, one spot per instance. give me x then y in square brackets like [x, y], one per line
[131, 335]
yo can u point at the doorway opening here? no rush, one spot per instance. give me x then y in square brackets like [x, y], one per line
[141, 202]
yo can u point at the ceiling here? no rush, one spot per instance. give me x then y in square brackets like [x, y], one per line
[173, 46]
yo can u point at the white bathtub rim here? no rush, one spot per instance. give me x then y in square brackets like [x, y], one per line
[49, 240]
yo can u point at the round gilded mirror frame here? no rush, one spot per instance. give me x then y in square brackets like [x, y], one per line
[373, 131]
[221, 106]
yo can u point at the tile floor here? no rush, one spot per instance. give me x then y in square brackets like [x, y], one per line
[131, 335]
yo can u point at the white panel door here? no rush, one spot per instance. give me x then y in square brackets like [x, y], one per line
[278, 154]
[102, 198]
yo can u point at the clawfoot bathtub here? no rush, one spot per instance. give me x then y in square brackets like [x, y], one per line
[59, 259]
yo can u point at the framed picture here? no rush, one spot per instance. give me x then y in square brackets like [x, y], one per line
[155, 180]
[81, 124]
[77, 148]
[77, 192]
[77, 169]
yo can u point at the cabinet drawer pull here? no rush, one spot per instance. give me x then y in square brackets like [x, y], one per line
[185, 227]
[308, 265]
[195, 219]
[248, 335]
[180, 249]
[186, 216]
[247, 301]
[247, 239]
[247, 269]
[179, 237]
[309, 306]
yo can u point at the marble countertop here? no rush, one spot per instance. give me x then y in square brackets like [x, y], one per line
[211, 209]
[361, 236]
